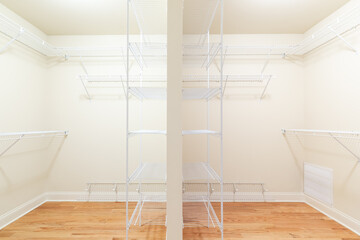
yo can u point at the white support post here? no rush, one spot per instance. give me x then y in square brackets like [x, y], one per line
[127, 116]
[174, 123]
[208, 128]
[221, 120]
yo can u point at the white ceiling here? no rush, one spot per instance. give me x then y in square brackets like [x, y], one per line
[98, 17]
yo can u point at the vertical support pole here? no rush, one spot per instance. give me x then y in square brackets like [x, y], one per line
[127, 117]
[174, 123]
[207, 126]
[141, 118]
[221, 116]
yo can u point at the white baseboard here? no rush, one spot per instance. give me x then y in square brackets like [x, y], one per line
[284, 197]
[21, 210]
[333, 213]
[338, 216]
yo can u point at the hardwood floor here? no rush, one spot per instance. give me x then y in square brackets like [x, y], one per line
[105, 221]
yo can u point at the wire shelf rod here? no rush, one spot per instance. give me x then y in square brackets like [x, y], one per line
[28, 135]
[34, 133]
[296, 131]
[336, 135]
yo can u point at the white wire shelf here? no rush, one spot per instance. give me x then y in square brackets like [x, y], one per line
[34, 134]
[199, 171]
[188, 93]
[236, 50]
[163, 132]
[148, 93]
[200, 132]
[147, 132]
[200, 214]
[18, 33]
[15, 137]
[156, 172]
[325, 133]
[338, 136]
[149, 172]
[347, 21]
[344, 23]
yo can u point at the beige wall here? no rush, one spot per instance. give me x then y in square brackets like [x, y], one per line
[252, 126]
[254, 148]
[96, 143]
[332, 102]
[24, 168]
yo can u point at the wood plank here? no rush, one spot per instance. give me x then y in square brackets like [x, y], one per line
[106, 221]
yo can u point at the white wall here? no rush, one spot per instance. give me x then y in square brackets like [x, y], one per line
[24, 168]
[254, 148]
[95, 148]
[332, 98]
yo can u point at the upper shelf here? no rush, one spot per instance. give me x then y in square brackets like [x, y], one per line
[349, 20]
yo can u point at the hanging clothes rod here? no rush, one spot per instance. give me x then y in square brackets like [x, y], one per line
[34, 133]
[336, 135]
[314, 132]
[17, 136]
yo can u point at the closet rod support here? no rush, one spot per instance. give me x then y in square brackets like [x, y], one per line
[11, 145]
[345, 147]
[7, 45]
[344, 40]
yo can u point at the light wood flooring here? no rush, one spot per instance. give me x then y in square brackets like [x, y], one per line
[106, 221]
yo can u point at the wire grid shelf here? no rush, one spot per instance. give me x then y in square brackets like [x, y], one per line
[116, 192]
[233, 192]
[347, 140]
[9, 140]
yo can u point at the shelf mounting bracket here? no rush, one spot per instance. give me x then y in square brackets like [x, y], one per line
[345, 147]
[7, 45]
[344, 40]
[11, 145]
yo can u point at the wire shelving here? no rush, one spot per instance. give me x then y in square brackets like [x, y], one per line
[338, 136]
[15, 137]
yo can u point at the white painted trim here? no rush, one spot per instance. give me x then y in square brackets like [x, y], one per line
[284, 197]
[336, 215]
[333, 213]
[21, 210]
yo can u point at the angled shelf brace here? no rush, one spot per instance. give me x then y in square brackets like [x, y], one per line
[336, 135]
[86, 79]
[17, 136]
[344, 40]
[7, 45]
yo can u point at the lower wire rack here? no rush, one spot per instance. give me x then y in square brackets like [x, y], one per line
[201, 201]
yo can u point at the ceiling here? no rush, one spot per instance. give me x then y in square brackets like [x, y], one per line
[108, 17]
